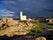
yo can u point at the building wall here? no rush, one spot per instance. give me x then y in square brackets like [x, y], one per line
[22, 17]
[51, 20]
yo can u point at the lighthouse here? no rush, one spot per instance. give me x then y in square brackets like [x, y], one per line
[22, 17]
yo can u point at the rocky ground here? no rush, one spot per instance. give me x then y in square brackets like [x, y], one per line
[22, 37]
[11, 27]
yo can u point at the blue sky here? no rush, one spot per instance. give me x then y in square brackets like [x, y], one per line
[2, 6]
[3, 10]
[31, 8]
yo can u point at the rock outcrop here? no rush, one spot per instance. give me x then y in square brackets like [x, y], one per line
[40, 38]
[11, 27]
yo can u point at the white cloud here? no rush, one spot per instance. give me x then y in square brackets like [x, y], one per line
[6, 13]
[9, 2]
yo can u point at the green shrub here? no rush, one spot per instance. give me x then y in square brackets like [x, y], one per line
[38, 28]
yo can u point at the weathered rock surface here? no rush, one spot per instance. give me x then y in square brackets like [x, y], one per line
[11, 27]
[40, 38]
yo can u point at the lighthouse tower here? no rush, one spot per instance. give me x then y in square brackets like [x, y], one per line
[22, 17]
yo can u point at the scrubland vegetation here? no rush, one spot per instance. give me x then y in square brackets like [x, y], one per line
[40, 27]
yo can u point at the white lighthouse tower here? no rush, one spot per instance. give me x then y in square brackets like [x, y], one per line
[22, 17]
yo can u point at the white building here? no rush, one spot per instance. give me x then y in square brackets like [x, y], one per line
[22, 17]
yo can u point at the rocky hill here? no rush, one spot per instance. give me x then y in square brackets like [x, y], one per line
[11, 27]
